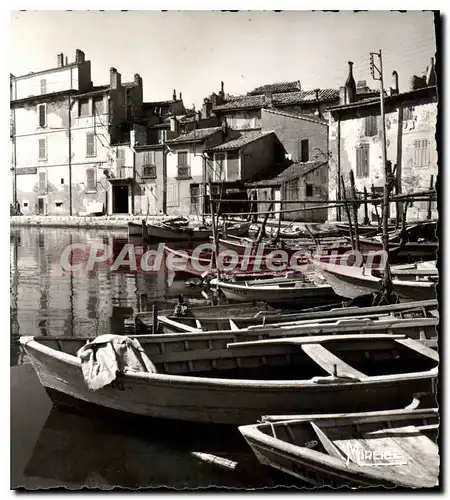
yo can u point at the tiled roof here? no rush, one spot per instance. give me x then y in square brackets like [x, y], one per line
[276, 88]
[240, 141]
[195, 135]
[299, 116]
[293, 171]
[285, 98]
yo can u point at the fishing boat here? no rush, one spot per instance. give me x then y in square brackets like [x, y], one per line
[173, 232]
[339, 318]
[278, 290]
[387, 448]
[134, 229]
[206, 380]
[351, 281]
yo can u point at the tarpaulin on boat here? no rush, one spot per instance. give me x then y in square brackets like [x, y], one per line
[108, 355]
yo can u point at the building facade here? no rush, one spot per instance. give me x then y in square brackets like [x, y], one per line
[355, 144]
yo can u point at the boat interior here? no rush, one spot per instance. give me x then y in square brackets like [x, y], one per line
[345, 358]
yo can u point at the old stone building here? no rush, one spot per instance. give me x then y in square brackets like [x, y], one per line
[355, 144]
[71, 138]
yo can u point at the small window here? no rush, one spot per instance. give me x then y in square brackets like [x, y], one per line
[99, 106]
[309, 189]
[83, 107]
[362, 161]
[304, 153]
[408, 113]
[371, 126]
[42, 112]
[58, 204]
[42, 149]
[62, 181]
[42, 183]
[149, 171]
[421, 153]
[90, 180]
[182, 159]
[43, 86]
[25, 204]
[90, 144]
[149, 158]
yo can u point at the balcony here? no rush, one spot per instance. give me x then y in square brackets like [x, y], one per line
[184, 172]
[120, 175]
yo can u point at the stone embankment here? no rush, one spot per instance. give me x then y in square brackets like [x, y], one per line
[110, 222]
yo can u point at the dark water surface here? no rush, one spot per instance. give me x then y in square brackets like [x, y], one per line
[51, 447]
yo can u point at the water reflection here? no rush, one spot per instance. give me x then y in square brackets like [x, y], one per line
[46, 300]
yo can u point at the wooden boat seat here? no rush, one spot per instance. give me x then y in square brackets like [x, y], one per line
[331, 363]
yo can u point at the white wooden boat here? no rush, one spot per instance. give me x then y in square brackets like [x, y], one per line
[351, 282]
[277, 290]
[207, 380]
[218, 318]
[166, 232]
[390, 448]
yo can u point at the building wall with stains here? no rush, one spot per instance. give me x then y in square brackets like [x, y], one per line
[410, 144]
[150, 201]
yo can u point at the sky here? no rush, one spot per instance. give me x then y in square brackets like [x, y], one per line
[193, 51]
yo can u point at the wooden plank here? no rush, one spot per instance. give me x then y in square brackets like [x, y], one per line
[419, 348]
[166, 321]
[331, 363]
[329, 446]
[315, 340]
[233, 325]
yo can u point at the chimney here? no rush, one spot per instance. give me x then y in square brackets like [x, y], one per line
[114, 78]
[418, 82]
[206, 108]
[66, 61]
[181, 96]
[394, 88]
[137, 80]
[342, 99]
[224, 126]
[268, 99]
[60, 60]
[198, 116]
[222, 91]
[174, 95]
[299, 86]
[317, 111]
[431, 74]
[79, 56]
[350, 85]
[214, 99]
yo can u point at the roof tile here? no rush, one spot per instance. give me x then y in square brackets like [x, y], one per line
[240, 141]
[196, 135]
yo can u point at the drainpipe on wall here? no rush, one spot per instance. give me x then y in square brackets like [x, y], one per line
[70, 155]
[338, 213]
[133, 184]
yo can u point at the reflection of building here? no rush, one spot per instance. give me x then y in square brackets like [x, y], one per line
[410, 123]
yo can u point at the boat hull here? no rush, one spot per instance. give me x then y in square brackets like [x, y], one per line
[220, 401]
[153, 232]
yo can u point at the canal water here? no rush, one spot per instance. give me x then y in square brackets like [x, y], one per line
[51, 447]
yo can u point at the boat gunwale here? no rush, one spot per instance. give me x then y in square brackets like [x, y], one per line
[226, 383]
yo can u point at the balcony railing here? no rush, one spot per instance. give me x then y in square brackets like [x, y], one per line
[124, 172]
[184, 172]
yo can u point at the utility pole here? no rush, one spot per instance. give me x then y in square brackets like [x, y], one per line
[377, 74]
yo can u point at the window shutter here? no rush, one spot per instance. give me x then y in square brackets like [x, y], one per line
[304, 150]
[90, 144]
[182, 159]
[43, 86]
[42, 149]
[120, 158]
[42, 117]
[42, 183]
[90, 179]
[362, 161]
